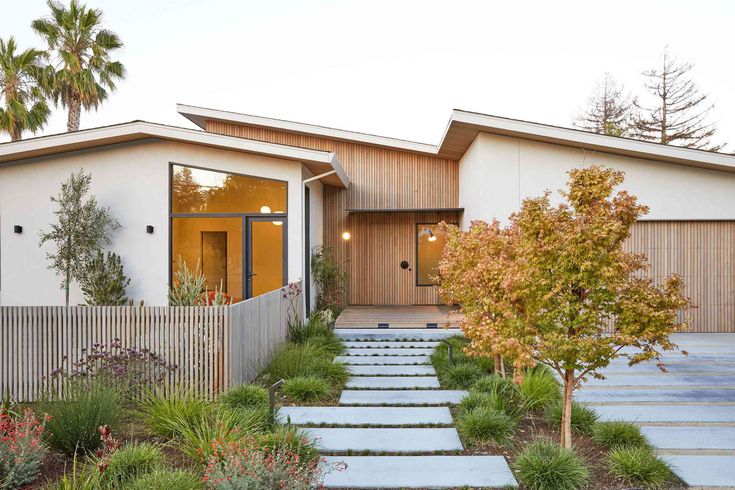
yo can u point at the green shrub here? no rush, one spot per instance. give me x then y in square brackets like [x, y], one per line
[583, 418]
[293, 360]
[77, 414]
[544, 465]
[245, 396]
[486, 424]
[129, 462]
[639, 466]
[21, 447]
[291, 439]
[167, 480]
[440, 356]
[306, 388]
[504, 393]
[103, 280]
[539, 389]
[618, 434]
[335, 373]
[161, 407]
[462, 376]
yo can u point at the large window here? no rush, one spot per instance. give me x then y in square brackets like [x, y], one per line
[430, 240]
[220, 223]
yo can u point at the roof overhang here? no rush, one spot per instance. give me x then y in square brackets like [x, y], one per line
[464, 127]
[200, 115]
[318, 162]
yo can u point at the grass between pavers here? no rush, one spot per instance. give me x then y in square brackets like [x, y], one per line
[532, 418]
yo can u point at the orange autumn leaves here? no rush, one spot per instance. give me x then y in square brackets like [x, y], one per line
[546, 287]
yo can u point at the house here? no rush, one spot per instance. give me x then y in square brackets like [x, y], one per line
[274, 189]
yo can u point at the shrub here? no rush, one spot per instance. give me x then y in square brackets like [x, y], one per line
[639, 466]
[335, 373]
[307, 359]
[21, 448]
[291, 439]
[504, 393]
[306, 388]
[245, 396]
[103, 281]
[162, 406]
[126, 369]
[167, 480]
[461, 376]
[583, 418]
[330, 279]
[539, 389]
[77, 414]
[544, 465]
[129, 462]
[618, 434]
[188, 286]
[241, 465]
[486, 424]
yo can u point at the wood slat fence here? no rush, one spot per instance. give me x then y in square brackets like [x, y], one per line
[213, 347]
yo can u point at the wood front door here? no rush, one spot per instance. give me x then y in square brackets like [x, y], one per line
[380, 244]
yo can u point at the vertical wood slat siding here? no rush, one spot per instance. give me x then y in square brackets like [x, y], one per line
[703, 254]
[213, 346]
[381, 178]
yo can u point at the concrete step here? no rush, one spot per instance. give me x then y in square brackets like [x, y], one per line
[387, 344]
[655, 395]
[401, 397]
[406, 370]
[391, 440]
[356, 416]
[691, 438]
[388, 352]
[671, 413]
[382, 360]
[393, 382]
[394, 334]
[664, 379]
[704, 471]
[418, 472]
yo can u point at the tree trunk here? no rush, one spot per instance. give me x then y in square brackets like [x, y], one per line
[67, 282]
[498, 364]
[566, 416]
[15, 134]
[75, 111]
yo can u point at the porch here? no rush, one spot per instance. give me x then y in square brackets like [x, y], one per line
[438, 316]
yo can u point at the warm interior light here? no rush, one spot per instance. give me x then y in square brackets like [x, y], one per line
[432, 237]
[265, 210]
[278, 223]
[346, 235]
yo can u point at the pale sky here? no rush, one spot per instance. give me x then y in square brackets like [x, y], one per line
[395, 68]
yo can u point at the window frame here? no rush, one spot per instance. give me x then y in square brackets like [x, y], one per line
[416, 252]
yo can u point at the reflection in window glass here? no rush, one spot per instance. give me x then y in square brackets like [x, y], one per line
[430, 242]
[267, 256]
[196, 190]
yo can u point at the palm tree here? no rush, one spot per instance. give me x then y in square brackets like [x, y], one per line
[85, 73]
[24, 106]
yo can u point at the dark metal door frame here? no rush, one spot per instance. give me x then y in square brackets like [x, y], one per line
[247, 239]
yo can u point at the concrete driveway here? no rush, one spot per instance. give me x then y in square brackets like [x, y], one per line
[688, 413]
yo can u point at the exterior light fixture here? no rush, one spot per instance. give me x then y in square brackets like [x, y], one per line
[17, 229]
[277, 223]
[346, 235]
[265, 210]
[432, 237]
[149, 229]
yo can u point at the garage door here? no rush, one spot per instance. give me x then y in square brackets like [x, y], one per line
[703, 254]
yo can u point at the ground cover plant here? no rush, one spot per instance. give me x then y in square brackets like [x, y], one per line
[21, 447]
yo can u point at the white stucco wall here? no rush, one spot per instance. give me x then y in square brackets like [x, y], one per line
[316, 225]
[132, 179]
[498, 172]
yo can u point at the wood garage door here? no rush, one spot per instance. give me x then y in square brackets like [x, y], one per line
[703, 254]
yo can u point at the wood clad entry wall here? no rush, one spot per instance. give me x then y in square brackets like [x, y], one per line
[703, 254]
[381, 178]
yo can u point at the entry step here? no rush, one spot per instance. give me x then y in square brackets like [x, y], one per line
[389, 352]
[393, 382]
[382, 360]
[394, 334]
[401, 397]
[409, 440]
[405, 370]
[387, 344]
[418, 472]
[357, 416]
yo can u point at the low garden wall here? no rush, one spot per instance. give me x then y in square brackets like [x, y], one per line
[211, 347]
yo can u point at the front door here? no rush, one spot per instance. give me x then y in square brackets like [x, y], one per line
[266, 248]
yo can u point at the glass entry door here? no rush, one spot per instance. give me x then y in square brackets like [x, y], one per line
[266, 247]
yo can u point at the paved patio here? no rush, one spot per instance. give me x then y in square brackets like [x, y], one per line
[688, 413]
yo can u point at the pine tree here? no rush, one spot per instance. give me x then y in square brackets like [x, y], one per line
[609, 109]
[680, 113]
[104, 281]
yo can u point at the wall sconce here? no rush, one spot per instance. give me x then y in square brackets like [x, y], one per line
[346, 235]
[149, 229]
[17, 229]
[432, 237]
[265, 210]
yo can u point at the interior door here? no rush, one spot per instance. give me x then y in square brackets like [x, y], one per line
[266, 254]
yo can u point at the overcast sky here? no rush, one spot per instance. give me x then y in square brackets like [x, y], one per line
[395, 68]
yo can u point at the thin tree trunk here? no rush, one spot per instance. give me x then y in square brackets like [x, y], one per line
[566, 416]
[498, 364]
[67, 282]
[16, 134]
[75, 111]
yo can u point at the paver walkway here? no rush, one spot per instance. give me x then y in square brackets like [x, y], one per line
[688, 413]
[393, 413]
